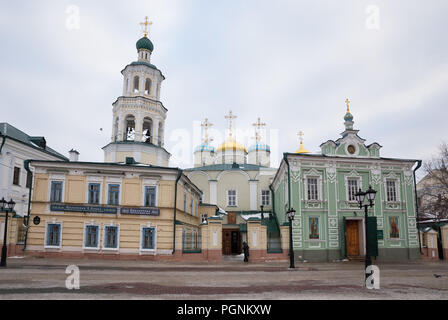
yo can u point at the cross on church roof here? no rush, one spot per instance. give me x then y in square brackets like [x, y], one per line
[206, 124]
[301, 134]
[347, 102]
[145, 25]
[258, 125]
[230, 117]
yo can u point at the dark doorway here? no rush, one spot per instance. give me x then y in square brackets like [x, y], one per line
[231, 241]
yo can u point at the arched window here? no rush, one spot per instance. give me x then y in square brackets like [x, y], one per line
[148, 86]
[129, 124]
[136, 84]
[147, 130]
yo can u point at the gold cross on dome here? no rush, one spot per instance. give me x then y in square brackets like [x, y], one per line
[347, 102]
[145, 25]
[206, 124]
[230, 117]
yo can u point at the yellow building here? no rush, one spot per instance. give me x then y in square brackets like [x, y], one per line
[110, 209]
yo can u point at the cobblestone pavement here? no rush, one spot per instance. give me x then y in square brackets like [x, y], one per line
[33, 278]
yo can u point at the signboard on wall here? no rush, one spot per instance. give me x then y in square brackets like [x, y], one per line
[141, 211]
[87, 209]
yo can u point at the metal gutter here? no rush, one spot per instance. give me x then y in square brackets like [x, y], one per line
[179, 175]
[27, 168]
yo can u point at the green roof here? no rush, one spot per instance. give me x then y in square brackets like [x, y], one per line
[38, 143]
[145, 43]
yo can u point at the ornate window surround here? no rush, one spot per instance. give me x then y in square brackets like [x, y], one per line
[313, 173]
[392, 176]
[352, 175]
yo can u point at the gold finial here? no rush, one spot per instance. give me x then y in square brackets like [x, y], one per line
[145, 25]
[301, 147]
[230, 117]
[347, 102]
[258, 126]
[206, 124]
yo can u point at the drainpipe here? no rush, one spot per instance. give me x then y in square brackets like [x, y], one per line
[419, 164]
[3, 142]
[285, 157]
[179, 174]
[27, 168]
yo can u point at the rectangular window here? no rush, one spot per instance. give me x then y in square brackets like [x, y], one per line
[391, 190]
[150, 196]
[16, 176]
[91, 240]
[204, 217]
[394, 228]
[314, 228]
[192, 206]
[94, 193]
[53, 235]
[231, 198]
[114, 194]
[352, 189]
[56, 191]
[28, 179]
[148, 238]
[312, 189]
[111, 237]
[191, 238]
[265, 197]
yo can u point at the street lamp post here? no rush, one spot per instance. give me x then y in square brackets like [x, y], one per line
[360, 196]
[5, 207]
[291, 212]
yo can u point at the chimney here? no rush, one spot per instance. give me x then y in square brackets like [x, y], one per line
[74, 155]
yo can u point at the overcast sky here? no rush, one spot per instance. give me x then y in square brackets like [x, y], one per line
[292, 63]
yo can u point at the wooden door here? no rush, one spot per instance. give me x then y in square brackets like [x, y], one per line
[226, 242]
[352, 237]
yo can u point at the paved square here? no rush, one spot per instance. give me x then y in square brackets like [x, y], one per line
[33, 278]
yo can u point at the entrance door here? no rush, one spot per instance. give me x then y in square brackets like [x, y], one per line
[231, 242]
[352, 237]
[236, 242]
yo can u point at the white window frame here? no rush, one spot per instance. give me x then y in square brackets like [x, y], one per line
[141, 238]
[56, 178]
[269, 197]
[236, 198]
[98, 180]
[118, 237]
[156, 196]
[392, 177]
[89, 224]
[119, 193]
[46, 234]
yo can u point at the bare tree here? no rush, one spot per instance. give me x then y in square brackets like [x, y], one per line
[433, 194]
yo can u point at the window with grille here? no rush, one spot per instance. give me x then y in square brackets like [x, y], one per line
[91, 238]
[352, 189]
[265, 197]
[94, 193]
[111, 237]
[312, 189]
[150, 196]
[148, 238]
[53, 235]
[231, 198]
[114, 194]
[56, 191]
[191, 238]
[391, 190]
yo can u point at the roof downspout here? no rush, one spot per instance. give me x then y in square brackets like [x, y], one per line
[179, 175]
[27, 168]
[285, 157]
[417, 218]
[3, 142]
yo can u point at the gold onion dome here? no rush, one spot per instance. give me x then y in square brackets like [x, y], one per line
[231, 144]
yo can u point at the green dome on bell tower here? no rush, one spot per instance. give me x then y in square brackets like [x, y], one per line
[145, 43]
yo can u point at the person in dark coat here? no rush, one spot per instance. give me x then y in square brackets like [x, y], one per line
[246, 251]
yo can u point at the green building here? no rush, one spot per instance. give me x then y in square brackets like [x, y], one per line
[328, 224]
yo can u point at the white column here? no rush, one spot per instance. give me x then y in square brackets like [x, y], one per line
[213, 192]
[155, 131]
[120, 128]
[253, 194]
[142, 84]
[138, 127]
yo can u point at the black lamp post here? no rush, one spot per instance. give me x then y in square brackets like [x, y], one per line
[5, 207]
[290, 214]
[360, 196]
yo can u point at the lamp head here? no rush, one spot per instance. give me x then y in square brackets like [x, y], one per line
[11, 205]
[2, 204]
[360, 196]
[371, 194]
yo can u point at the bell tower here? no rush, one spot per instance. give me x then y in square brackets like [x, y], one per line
[138, 120]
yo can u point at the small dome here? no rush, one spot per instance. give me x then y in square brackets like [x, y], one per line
[348, 117]
[259, 147]
[145, 43]
[204, 147]
[231, 144]
[302, 149]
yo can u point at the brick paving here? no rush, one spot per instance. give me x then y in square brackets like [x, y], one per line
[33, 278]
